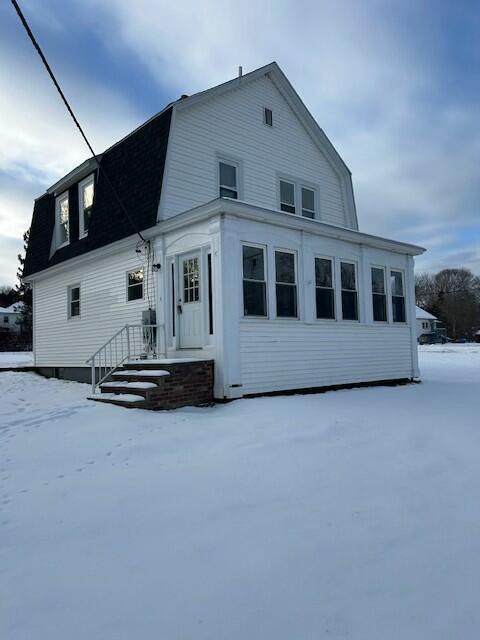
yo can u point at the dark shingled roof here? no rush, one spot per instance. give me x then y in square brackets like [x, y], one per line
[135, 167]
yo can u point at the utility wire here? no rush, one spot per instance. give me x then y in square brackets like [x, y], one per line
[70, 111]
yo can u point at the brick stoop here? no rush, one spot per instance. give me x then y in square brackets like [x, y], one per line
[159, 384]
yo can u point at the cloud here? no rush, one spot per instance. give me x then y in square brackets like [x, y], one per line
[389, 83]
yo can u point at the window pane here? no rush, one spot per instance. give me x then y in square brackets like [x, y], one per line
[308, 199]
[75, 293]
[396, 281]
[268, 117]
[378, 280]
[228, 175]
[398, 304]
[285, 267]
[287, 193]
[325, 303]
[64, 230]
[88, 195]
[228, 193]
[348, 276]
[86, 219]
[349, 305]
[75, 308]
[135, 277]
[286, 301]
[253, 263]
[323, 272]
[287, 207]
[379, 307]
[254, 298]
[135, 292]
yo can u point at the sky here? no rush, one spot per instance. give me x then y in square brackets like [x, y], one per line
[394, 84]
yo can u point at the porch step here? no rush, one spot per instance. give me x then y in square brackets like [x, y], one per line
[143, 384]
[129, 400]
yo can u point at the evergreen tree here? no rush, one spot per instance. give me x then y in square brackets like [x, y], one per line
[24, 291]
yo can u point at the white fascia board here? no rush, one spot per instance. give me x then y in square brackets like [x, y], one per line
[83, 170]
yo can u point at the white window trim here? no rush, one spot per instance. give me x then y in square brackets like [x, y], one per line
[127, 286]
[58, 199]
[234, 162]
[402, 272]
[91, 178]
[69, 301]
[298, 184]
[295, 195]
[334, 288]
[275, 282]
[385, 286]
[264, 248]
[341, 289]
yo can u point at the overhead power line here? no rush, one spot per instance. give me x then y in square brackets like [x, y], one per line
[74, 118]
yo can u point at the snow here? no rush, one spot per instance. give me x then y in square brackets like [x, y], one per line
[119, 397]
[349, 514]
[129, 385]
[9, 359]
[167, 360]
[156, 373]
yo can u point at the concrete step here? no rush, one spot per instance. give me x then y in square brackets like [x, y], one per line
[140, 373]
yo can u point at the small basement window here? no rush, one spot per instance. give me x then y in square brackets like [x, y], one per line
[135, 285]
[74, 301]
[6, 319]
[228, 180]
[268, 117]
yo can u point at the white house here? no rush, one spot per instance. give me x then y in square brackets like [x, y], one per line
[251, 253]
[10, 318]
[425, 321]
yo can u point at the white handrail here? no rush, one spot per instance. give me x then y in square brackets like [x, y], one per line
[131, 341]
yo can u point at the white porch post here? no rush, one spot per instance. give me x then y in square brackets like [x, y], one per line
[412, 318]
[226, 260]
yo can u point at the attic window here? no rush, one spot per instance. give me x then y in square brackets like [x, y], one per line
[268, 117]
[62, 219]
[85, 202]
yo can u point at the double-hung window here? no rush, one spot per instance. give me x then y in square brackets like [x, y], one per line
[398, 296]
[135, 285]
[62, 219]
[349, 291]
[254, 281]
[285, 284]
[379, 297]
[287, 196]
[324, 290]
[308, 202]
[228, 180]
[74, 301]
[85, 203]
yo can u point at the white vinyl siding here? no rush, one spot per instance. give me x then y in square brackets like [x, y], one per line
[230, 124]
[299, 355]
[61, 342]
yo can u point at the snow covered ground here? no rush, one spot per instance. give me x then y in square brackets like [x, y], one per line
[15, 359]
[348, 514]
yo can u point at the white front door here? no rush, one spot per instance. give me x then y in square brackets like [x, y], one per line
[190, 307]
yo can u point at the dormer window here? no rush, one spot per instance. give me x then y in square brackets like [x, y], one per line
[85, 203]
[62, 220]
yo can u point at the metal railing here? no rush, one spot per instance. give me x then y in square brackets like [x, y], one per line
[131, 342]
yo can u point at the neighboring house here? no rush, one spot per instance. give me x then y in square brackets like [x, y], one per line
[10, 318]
[254, 258]
[429, 328]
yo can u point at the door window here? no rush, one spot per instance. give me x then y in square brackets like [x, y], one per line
[191, 280]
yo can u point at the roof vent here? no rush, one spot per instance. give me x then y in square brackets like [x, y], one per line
[183, 96]
[240, 72]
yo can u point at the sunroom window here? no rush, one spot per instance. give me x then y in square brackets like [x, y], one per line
[254, 281]
[285, 284]
[398, 296]
[324, 291]
[349, 291]
[379, 298]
